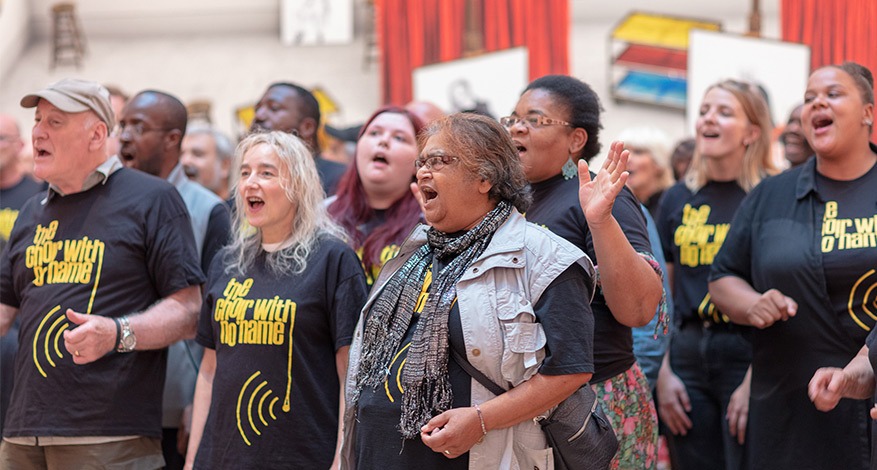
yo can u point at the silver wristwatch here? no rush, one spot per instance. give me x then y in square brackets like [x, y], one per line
[127, 340]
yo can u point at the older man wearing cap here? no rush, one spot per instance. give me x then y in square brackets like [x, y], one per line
[103, 273]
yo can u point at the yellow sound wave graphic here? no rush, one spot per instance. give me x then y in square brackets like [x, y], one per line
[398, 374]
[707, 310]
[56, 330]
[864, 289]
[52, 337]
[258, 395]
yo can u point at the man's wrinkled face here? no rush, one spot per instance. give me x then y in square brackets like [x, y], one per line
[10, 142]
[202, 163]
[60, 142]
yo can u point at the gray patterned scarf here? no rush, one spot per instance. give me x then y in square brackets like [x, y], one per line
[425, 377]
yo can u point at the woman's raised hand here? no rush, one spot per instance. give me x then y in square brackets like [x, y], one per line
[597, 196]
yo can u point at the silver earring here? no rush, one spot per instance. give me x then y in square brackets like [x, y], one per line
[868, 122]
[569, 170]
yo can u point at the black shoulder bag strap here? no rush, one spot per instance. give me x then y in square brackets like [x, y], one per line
[475, 373]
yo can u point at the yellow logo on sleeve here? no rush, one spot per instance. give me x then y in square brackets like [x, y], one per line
[7, 221]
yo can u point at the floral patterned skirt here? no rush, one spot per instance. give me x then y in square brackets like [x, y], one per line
[627, 401]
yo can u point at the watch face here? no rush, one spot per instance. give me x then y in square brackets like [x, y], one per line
[129, 341]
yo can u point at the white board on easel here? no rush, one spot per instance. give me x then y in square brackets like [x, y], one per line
[782, 68]
[495, 79]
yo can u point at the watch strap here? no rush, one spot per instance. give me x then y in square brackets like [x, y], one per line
[118, 332]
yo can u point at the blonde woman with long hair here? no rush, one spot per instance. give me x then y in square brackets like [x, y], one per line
[700, 396]
[280, 305]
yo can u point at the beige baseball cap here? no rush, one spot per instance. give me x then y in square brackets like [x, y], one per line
[73, 95]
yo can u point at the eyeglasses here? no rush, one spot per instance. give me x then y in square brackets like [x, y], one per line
[533, 121]
[136, 129]
[434, 162]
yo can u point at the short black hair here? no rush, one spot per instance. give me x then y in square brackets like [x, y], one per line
[308, 105]
[177, 117]
[862, 77]
[582, 103]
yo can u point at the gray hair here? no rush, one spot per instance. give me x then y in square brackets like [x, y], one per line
[301, 183]
[654, 141]
[486, 149]
[224, 146]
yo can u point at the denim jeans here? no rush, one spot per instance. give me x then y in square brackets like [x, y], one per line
[711, 362]
[648, 349]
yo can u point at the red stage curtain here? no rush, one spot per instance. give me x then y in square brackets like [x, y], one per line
[419, 32]
[836, 30]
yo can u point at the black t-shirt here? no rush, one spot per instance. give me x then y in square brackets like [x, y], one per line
[556, 206]
[849, 233]
[275, 400]
[653, 204]
[387, 253]
[775, 242]
[378, 441]
[693, 227]
[330, 173]
[11, 200]
[112, 250]
[217, 235]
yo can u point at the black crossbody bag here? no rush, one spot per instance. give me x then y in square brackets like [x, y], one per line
[577, 430]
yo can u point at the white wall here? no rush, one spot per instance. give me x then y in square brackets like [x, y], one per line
[14, 32]
[233, 68]
[138, 18]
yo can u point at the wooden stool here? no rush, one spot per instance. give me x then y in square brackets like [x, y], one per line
[68, 42]
[199, 110]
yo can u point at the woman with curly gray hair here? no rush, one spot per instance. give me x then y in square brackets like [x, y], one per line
[478, 284]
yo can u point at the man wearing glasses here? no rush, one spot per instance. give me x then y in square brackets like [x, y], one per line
[150, 130]
[103, 275]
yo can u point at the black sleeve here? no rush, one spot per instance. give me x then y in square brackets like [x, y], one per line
[735, 256]
[218, 228]
[172, 258]
[630, 218]
[568, 322]
[8, 295]
[205, 336]
[348, 296]
[665, 230]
